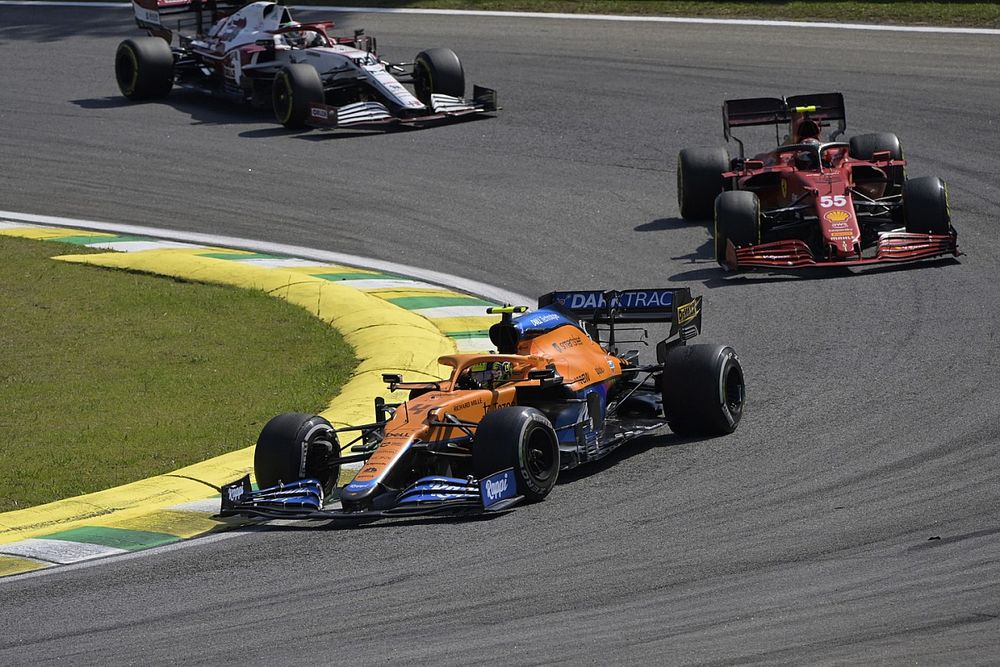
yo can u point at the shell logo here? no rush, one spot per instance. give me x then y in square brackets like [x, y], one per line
[837, 216]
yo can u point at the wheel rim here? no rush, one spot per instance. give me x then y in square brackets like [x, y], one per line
[422, 83]
[320, 448]
[127, 70]
[539, 456]
[283, 98]
[734, 391]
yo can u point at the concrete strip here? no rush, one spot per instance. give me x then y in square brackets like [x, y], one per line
[59, 552]
[452, 311]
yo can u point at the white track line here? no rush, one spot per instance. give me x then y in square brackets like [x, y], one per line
[572, 17]
[435, 277]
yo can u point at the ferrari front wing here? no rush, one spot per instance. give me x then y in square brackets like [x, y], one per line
[795, 253]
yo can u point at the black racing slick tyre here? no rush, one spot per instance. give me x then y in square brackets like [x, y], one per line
[144, 68]
[437, 71]
[864, 147]
[294, 88]
[703, 390]
[523, 439]
[296, 446]
[699, 180]
[737, 219]
[925, 206]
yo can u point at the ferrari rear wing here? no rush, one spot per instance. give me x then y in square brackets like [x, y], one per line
[776, 110]
[636, 306]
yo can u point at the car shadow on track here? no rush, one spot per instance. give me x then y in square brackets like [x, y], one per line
[715, 276]
[706, 251]
[634, 448]
[202, 110]
[625, 452]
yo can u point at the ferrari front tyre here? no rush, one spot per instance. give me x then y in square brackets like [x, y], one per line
[437, 71]
[296, 446]
[703, 390]
[864, 147]
[925, 206]
[522, 439]
[699, 180]
[737, 219]
[144, 68]
[295, 87]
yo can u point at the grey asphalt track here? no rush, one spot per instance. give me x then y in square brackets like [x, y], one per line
[853, 519]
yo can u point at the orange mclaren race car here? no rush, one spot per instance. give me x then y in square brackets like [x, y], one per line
[557, 393]
[813, 201]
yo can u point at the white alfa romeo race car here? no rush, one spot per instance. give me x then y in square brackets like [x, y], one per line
[255, 53]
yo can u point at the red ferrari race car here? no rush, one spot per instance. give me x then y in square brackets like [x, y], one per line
[812, 201]
[256, 54]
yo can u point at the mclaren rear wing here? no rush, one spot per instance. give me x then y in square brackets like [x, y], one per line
[636, 306]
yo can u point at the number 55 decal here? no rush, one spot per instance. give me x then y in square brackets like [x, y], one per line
[827, 201]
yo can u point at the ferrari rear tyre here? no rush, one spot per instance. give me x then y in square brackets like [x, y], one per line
[737, 219]
[699, 180]
[296, 446]
[144, 68]
[864, 147]
[294, 88]
[437, 71]
[925, 206]
[703, 390]
[523, 439]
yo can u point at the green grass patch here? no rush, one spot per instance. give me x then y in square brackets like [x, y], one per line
[942, 13]
[971, 14]
[109, 376]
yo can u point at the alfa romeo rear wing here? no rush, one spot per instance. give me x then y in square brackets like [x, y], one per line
[161, 17]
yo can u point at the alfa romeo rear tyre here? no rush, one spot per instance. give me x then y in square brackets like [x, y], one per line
[144, 68]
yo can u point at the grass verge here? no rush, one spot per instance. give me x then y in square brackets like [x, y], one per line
[107, 377]
[970, 14]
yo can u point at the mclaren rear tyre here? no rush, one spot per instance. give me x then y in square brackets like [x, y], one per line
[144, 68]
[703, 390]
[925, 206]
[437, 71]
[521, 439]
[864, 147]
[699, 180]
[295, 87]
[296, 446]
[737, 219]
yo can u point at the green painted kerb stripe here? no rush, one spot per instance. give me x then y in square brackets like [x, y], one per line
[418, 302]
[358, 275]
[88, 239]
[130, 540]
[468, 334]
